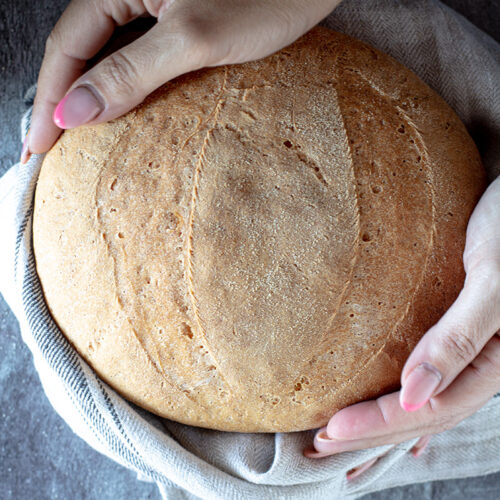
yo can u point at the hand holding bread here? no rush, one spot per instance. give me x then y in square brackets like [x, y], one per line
[188, 35]
[454, 369]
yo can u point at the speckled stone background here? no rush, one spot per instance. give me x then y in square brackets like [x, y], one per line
[40, 457]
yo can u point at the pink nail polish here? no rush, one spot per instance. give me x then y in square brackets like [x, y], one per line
[419, 387]
[312, 453]
[322, 436]
[25, 153]
[420, 447]
[77, 108]
[418, 451]
[357, 471]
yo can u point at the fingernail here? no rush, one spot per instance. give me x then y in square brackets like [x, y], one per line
[420, 447]
[312, 453]
[353, 473]
[25, 153]
[322, 436]
[77, 108]
[419, 387]
[416, 452]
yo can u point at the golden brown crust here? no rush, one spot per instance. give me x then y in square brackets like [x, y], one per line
[258, 246]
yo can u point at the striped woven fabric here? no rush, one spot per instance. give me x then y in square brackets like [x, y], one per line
[463, 65]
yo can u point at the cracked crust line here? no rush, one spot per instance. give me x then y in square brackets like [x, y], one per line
[356, 245]
[430, 244]
[313, 167]
[425, 157]
[273, 85]
[202, 123]
[189, 246]
[157, 366]
[374, 355]
[430, 178]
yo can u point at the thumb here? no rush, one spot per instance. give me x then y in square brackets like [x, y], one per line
[453, 342]
[122, 80]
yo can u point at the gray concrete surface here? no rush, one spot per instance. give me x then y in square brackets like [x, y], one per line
[40, 457]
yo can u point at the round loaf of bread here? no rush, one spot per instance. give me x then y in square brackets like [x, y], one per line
[257, 246]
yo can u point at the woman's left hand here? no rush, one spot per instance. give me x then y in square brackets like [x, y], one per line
[454, 369]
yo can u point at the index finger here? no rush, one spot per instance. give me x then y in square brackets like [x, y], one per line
[82, 30]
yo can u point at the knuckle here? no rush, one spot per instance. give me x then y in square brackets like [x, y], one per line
[121, 74]
[201, 36]
[448, 422]
[458, 346]
[384, 413]
[491, 359]
[54, 41]
[122, 12]
[441, 417]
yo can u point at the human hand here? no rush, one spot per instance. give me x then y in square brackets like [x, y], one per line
[454, 369]
[188, 35]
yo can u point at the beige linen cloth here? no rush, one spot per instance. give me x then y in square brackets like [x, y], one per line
[460, 63]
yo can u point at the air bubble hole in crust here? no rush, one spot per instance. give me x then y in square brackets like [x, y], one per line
[153, 165]
[270, 398]
[185, 329]
[437, 282]
[366, 237]
[288, 144]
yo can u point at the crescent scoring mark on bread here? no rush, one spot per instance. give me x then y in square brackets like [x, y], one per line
[428, 251]
[153, 357]
[112, 253]
[189, 246]
[203, 122]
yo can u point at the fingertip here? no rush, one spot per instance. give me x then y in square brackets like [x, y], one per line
[420, 446]
[312, 453]
[57, 116]
[354, 421]
[409, 407]
[43, 134]
[322, 435]
[25, 153]
[419, 387]
[78, 107]
[357, 471]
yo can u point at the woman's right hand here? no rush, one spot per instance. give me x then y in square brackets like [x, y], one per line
[189, 35]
